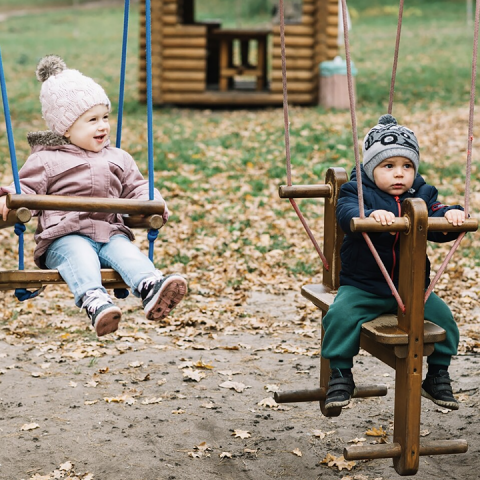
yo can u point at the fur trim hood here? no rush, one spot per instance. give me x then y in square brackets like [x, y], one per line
[47, 138]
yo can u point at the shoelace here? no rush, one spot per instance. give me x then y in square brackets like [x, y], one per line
[95, 299]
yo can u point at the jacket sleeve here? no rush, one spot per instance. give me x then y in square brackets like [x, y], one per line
[347, 207]
[33, 178]
[438, 209]
[135, 186]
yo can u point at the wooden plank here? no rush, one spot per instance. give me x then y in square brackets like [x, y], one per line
[170, 8]
[184, 53]
[11, 279]
[185, 42]
[308, 9]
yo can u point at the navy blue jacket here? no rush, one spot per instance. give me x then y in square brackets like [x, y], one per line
[359, 268]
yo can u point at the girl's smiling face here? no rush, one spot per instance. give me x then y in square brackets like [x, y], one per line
[395, 175]
[91, 130]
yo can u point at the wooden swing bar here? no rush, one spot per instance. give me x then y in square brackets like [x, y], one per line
[144, 214]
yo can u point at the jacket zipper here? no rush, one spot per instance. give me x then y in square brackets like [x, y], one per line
[397, 199]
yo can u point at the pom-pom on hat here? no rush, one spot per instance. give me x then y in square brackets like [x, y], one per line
[66, 94]
[386, 140]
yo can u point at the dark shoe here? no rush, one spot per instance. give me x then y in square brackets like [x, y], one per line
[104, 315]
[438, 389]
[161, 295]
[340, 389]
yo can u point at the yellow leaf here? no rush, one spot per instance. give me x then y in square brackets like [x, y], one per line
[241, 434]
[376, 432]
[297, 452]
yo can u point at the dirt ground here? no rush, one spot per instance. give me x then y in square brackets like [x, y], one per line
[163, 406]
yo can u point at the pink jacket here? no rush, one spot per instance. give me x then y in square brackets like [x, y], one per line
[56, 167]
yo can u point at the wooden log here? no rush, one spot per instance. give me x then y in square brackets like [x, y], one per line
[308, 9]
[185, 31]
[170, 19]
[292, 52]
[186, 74]
[237, 98]
[297, 86]
[308, 20]
[176, 86]
[293, 75]
[184, 53]
[86, 204]
[302, 42]
[185, 42]
[304, 191]
[293, 64]
[295, 30]
[188, 64]
[332, 31]
[170, 8]
[21, 215]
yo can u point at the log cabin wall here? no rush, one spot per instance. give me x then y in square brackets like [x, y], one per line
[180, 49]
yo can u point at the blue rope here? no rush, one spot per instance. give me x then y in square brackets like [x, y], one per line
[123, 67]
[21, 293]
[152, 234]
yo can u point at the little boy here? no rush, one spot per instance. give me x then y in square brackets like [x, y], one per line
[389, 175]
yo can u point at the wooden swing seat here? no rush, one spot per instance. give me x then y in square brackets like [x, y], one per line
[400, 341]
[141, 214]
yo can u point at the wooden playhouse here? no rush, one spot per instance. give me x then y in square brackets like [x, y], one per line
[202, 63]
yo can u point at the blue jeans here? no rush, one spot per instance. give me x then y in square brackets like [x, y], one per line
[79, 259]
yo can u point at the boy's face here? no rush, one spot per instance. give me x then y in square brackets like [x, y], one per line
[395, 175]
[91, 130]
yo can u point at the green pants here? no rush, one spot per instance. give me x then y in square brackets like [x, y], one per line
[353, 307]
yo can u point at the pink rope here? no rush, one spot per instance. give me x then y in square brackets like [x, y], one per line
[468, 173]
[357, 159]
[395, 57]
[287, 137]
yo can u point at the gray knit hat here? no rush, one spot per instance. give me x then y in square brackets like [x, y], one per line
[66, 94]
[386, 140]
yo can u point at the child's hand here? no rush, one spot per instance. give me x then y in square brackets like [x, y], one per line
[383, 216]
[165, 215]
[455, 217]
[3, 207]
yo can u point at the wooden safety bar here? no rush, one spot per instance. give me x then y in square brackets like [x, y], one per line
[399, 341]
[86, 204]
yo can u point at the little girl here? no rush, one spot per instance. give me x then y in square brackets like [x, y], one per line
[75, 158]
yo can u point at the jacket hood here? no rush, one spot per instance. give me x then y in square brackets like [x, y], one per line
[49, 140]
[46, 138]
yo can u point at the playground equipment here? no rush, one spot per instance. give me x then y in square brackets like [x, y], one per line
[194, 64]
[400, 341]
[139, 214]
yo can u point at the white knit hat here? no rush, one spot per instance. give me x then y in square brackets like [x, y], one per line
[386, 140]
[66, 94]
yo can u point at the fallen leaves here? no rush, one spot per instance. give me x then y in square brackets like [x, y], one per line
[29, 426]
[339, 462]
[237, 386]
[241, 434]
